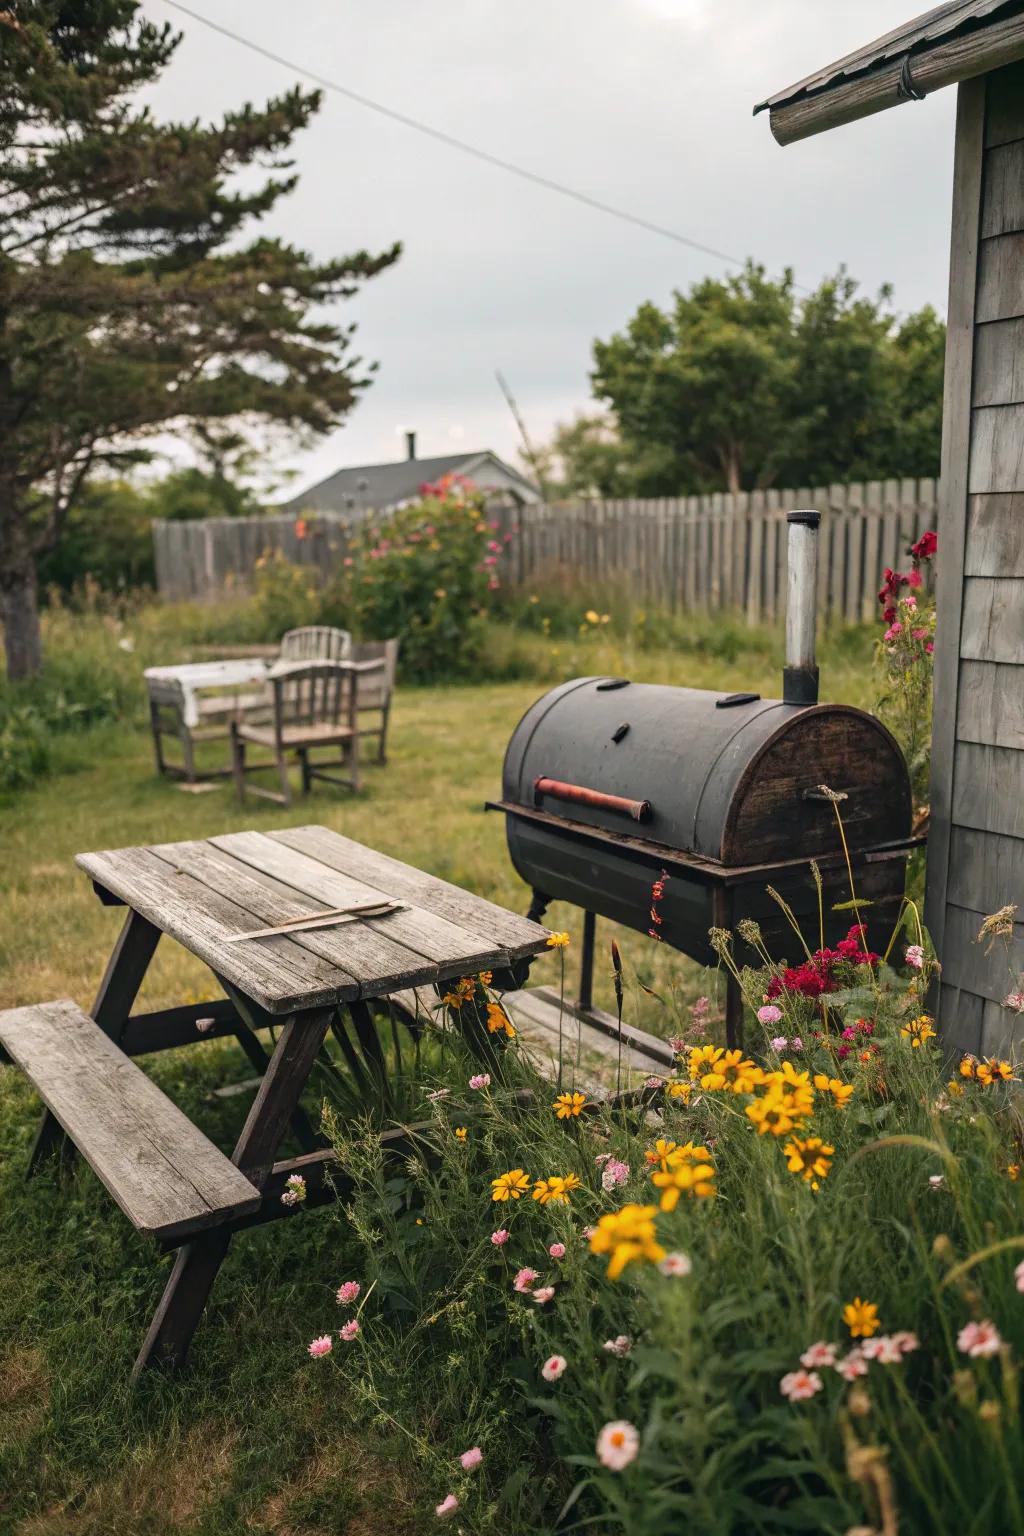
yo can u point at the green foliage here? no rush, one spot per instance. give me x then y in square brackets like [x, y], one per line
[904, 662]
[740, 385]
[425, 574]
[127, 298]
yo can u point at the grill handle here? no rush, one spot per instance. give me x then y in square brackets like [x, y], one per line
[578, 794]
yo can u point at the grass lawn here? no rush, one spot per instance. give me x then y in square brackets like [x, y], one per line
[248, 1439]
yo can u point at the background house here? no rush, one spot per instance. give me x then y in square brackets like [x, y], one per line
[976, 842]
[381, 487]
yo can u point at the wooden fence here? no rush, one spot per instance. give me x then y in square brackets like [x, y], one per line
[689, 552]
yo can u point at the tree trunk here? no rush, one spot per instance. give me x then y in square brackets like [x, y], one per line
[19, 599]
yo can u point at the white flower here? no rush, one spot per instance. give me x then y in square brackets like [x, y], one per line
[554, 1367]
[798, 1385]
[852, 1365]
[676, 1264]
[621, 1345]
[543, 1293]
[617, 1445]
[817, 1355]
[936, 1180]
[979, 1340]
[883, 1349]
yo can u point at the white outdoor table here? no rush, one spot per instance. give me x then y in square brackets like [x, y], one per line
[202, 697]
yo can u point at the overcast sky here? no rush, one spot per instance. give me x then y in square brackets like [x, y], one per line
[642, 103]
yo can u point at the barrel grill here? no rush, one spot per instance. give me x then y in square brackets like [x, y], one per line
[608, 785]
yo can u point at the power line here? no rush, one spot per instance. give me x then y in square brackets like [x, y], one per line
[455, 143]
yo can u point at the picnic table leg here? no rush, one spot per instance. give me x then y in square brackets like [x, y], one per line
[197, 1263]
[253, 1018]
[117, 993]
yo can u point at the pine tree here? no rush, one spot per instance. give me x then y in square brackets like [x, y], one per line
[128, 304]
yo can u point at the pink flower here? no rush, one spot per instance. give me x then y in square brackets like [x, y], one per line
[1014, 1000]
[587, 1233]
[914, 957]
[700, 1010]
[913, 578]
[919, 634]
[929, 646]
[621, 1345]
[602, 1157]
[852, 1365]
[471, 1459]
[798, 1385]
[1018, 1276]
[348, 1293]
[553, 1367]
[349, 1330]
[820, 1354]
[543, 1293]
[769, 1014]
[979, 1339]
[294, 1192]
[447, 1507]
[493, 546]
[909, 602]
[557, 1250]
[883, 1349]
[524, 1279]
[893, 630]
[652, 1082]
[778, 1043]
[501, 1237]
[796, 1044]
[321, 1346]
[481, 1080]
[677, 1044]
[617, 1445]
[676, 1265]
[614, 1173]
[493, 584]
[906, 1342]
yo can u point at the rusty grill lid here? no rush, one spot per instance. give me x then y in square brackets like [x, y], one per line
[730, 777]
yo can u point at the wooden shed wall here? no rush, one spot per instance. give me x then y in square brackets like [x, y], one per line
[976, 858]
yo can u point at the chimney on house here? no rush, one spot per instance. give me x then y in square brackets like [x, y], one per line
[410, 445]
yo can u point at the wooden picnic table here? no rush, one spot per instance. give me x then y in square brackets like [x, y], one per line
[218, 897]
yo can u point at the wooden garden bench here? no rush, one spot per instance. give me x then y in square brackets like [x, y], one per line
[302, 929]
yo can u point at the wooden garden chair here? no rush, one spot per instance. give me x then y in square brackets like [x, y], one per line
[316, 642]
[315, 704]
[378, 660]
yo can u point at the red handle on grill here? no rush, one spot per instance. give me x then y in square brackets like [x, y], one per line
[638, 810]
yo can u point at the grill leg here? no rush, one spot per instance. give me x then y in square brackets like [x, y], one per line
[733, 1013]
[586, 996]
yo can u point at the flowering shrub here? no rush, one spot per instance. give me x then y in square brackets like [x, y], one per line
[425, 573]
[905, 661]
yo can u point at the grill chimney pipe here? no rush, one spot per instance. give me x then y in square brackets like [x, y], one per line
[410, 445]
[800, 674]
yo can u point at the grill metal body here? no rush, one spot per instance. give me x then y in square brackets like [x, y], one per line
[609, 784]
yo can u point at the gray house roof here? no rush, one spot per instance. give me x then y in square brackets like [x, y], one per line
[382, 486]
[950, 43]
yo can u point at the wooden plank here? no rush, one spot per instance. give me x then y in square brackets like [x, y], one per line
[1002, 207]
[956, 427]
[991, 706]
[987, 970]
[873, 496]
[755, 573]
[960, 1016]
[1001, 278]
[163, 1172]
[999, 363]
[279, 974]
[997, 449]
[988, 790]
[371, 946]
[995, 535]
[854, 553]
[986, 870]
[1002, 1031]
[992, 628]
[474, 913]
[1004, 105]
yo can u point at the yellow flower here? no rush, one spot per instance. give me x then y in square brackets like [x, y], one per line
[778, 1112]
[861, 1317]
[485, 978]
[498, 1019]
[703, 1061]
[967, 1066]
[810, 1158]
[558, 941]
[1013, 1171]
[732, 1071]
[511, 1185]
[680, 1090]
[841, 1092]
[918, 1030]
[462, 993]
[592, 617]
[461, 1133]
[555, 1188]
[693, 1179]
[992, 1071]
[628, 1236]
[955, 1088]
[791, 1078]
[568, 1104]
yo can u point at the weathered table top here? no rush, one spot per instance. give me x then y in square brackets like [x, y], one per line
[201, 893]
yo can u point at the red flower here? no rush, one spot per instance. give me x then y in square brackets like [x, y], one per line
[926, 546]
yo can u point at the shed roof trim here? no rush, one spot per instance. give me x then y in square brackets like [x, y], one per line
[944, 22]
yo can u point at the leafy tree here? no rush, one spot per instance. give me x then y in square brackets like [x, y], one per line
[128, 303]
[740, 385]
[585, 457]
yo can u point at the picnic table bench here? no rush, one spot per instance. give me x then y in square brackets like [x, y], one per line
[303, 929]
